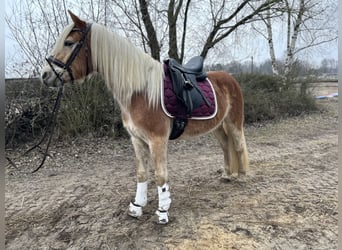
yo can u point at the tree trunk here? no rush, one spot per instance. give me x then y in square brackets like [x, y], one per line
[292, 40]
[151, 33]
[172, 16]
[268, 23]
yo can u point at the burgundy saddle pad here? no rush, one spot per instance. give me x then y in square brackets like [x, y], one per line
[173, 108]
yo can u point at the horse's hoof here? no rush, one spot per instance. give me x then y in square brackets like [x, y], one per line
[226, 178]
[163, 217]
[134, 210]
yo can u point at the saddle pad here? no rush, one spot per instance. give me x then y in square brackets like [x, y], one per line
[173, 108]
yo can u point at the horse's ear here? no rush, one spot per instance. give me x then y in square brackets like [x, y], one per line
[77, 21]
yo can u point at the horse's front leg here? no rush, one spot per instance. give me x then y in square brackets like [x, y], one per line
[158, 148]
[142, 160]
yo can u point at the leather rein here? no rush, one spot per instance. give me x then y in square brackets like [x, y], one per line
[66, 67]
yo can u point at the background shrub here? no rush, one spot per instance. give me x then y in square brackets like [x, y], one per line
[27, 110]
[86, 108]
[90, 109]
[267, 98]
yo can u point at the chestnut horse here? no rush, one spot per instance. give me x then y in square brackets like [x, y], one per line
[135, 79]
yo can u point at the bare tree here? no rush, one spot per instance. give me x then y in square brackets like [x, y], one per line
[34, 26]
[223, 21]
[173, 13]
[247, 11]
[308, 23]
[160, 27]
[269, 37]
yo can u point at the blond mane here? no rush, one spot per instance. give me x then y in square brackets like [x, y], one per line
[126, 69]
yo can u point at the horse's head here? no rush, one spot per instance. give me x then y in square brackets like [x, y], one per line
[70, 58]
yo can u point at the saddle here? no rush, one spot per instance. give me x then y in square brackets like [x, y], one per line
[185, 80]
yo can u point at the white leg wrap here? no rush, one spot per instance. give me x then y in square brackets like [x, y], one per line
[141, 194]
[164, 204]
[135, 209]
[164, 197]
[163, 217]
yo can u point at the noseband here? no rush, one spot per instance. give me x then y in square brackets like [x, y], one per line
[66, 66]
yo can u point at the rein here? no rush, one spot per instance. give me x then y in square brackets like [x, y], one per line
[66, 67]
[51, 125]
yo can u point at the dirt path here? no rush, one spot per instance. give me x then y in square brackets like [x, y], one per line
[79, 199]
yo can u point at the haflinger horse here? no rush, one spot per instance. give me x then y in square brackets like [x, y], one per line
[134, 78]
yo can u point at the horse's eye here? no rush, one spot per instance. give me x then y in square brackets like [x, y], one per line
[68, 43]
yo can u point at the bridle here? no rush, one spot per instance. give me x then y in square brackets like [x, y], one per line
[66, 66]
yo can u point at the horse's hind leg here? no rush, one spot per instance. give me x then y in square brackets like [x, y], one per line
[233, 144]
[237, 148]
[222, 138]
[142, 160]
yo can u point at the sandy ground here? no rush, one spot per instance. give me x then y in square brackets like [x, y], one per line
[79, 199]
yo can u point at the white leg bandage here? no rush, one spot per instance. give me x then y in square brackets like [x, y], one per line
[135, 209]
[141, 194]
[164, 204]
[164, 197]
[163, 217]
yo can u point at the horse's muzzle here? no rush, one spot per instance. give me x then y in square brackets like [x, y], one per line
[50, 78]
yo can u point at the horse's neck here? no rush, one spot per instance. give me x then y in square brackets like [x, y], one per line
[125, 68]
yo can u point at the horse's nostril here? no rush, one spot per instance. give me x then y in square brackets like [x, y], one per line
[45, 75]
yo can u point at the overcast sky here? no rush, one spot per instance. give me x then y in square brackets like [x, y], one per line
[242, 52]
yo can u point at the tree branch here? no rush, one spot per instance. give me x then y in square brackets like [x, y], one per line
[214, 38]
